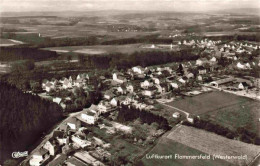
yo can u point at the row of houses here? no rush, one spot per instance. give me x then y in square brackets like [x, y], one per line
[65, 83]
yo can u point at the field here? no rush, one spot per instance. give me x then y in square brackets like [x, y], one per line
[207, 102]
[187, 141]
[102, 49]
[223, 108]
[9, 42]
[241, 115]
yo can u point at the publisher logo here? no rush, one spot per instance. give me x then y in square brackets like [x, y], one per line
[19, 154]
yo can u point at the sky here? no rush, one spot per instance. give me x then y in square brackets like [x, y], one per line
[145, 5]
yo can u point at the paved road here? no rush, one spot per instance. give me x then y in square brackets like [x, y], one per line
[187, 114]
[48, 136]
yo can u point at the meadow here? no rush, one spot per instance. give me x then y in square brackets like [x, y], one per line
[207, 102]
[189, 141]
[225, 109]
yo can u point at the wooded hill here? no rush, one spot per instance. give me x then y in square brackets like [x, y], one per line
[23, 119]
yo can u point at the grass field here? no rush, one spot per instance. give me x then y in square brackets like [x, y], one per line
[223, 108]
[240, 115]
[211, 143]
[207, 102]
[101, 49]
[187, 141]
[168, 146]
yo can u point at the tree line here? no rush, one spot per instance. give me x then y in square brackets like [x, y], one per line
[15, 53]
[143, 58]
[23, 119]
[130, 113]
[241, 133]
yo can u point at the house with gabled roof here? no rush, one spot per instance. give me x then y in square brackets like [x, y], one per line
[119, 77]
[40, 157]
[104, 107]
[61, 137]
[138, 70]
[67, 84]
[202, 70]
[109, 95]
[130, 88]
[201, 61]
[114, 102]
[52, 147]
[49, 86]
[89, 116]
[149, 92]
[74, 124]
[146, 84]
[174, 85]
[80, 142]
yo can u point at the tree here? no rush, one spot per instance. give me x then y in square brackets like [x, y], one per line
[69, 58]
[10, 163]
[81, 59]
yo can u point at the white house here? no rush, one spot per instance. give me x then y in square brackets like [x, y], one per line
[146, 84]
[89, 117]
[174, 85]
[176, 115]
[148, 93]
[182, 80]
[138, 69]
[52, 148]
[130, 88]
[190, 75]
[213, 59]
[80, 142]
[109, 95]
[156, 81]
[240, 66]
[56, 100]
[190, 119]
[118, 77]
[73, 124]
[114, 102]
[104, 107]
[49, 86]
[40, 157]
[67, 84]
[199, 77]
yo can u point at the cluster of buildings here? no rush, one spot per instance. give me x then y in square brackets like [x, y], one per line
[137, 87]
[200, 43]
[70, 145]
[65, 83]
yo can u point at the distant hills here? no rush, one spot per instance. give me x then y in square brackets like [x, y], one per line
[240, 11]
[236, 11]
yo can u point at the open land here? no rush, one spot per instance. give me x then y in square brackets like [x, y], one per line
[223, 108]
[186, 140]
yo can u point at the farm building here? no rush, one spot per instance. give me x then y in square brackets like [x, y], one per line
[217, 83]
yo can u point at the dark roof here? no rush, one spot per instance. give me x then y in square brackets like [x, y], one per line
[63, 127]
[201, 68]
[41, 151]
[59, 134]
[58, 161]
[76, 162]
[109, 93]
[90, 113]
[72, 120]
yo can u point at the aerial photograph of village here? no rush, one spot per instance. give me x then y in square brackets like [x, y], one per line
[129, 83]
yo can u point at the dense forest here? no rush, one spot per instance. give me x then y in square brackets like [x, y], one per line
[241, 133]
[13, 53]
[121, 61]
[129, 114]
[23, 119]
